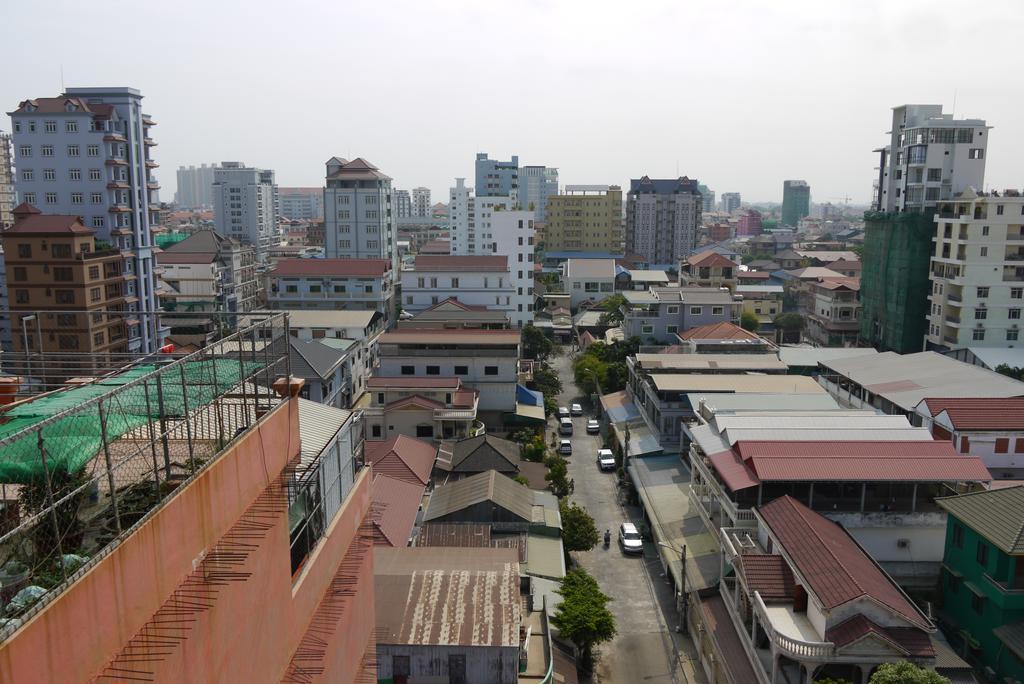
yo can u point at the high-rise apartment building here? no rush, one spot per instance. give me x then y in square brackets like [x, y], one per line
[87, 153]
[358, 212]
[662, 217]
[707, 198]
[586, 218]
[54, 265]
[195, 187]
[496, 178]
[461, 218]
[730, 202]
[305, 204]
[6, 183]
[536, 185]
[402, 202]
[421, 206]
[796, 201]
[930, 157]
[748, 223]
[245, 206]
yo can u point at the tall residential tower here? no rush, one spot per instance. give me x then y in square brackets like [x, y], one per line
[195, 187]
[796, 201]
[536, 185]
[358, 212]
[245, 206]
[496, 178]
[662, 217]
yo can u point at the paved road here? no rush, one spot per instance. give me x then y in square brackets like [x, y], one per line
[646, 648]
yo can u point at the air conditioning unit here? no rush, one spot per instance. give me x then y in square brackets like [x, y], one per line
[902, 543]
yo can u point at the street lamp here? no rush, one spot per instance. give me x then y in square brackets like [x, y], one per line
[682, 586]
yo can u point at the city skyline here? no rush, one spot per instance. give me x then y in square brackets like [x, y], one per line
[793, 106]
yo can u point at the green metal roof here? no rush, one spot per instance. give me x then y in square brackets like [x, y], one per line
[997, 515]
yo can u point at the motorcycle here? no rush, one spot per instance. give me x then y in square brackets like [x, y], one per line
[607, 538]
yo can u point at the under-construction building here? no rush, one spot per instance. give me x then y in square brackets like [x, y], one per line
[6, 183]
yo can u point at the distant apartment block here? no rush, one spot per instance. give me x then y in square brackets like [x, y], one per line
[88, 153]
[348, 284]
[401, 201]
[586, 218]
[245, 206]
[421, 207]
[496, 178]
[748, 223]
[831, 309]
[707, 199]
[730, 202]
[358, 212]
[195, 187]
[796, 202]
[662, 217]
[536, 185]
[6, 182]
[302, 203]
[475, 281]
[930, 157]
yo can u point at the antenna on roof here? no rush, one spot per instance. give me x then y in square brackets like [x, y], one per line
[61, 79]
[954, 103]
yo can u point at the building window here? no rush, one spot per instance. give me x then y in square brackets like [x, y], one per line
[21, 296]
[981, 314]
[490, 370]
[978, 334]
[72, 150]
[1017, 293]
[1002, 445]
[1011, 335]
[984, 231]
[30, 197]
[93, 150]
[462, 370]
[62, 274]
[696, 310]
[27, 175]
[94, 174]
[376, 430]
[97, 221]
[984, 251]
[976, 153]
[75, 174]
[71, 126]
[25, 150]
[76, 198]
[1013, 314]
[999, 210]
[717, 310]
[50, 126]
[671, 329]
[982, 554]
[46, 150]
[978, 604]
[958, 536]
[408, 370]
[51, 198]
[94, 272]
[97, 339]
[647, 329]
[95, 294]
[672, 309]
[433, 370]
[67, 341]
[455, 282]
[982, 292]
[65, 296]
[49, 175]
[96, 197]
[24, 251]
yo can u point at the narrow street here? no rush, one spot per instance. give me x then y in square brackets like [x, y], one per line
[646, 647]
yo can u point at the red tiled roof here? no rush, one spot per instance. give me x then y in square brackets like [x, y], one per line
[710, 258]
[834, 567]
[733, 471]
[29, 220]
[465, 398]
[455, 302]
[414, 400]
[405, 458]
[753, 275]
[840, 283]
[722, 629]
[863, 461]
[396, 503]
[430, 262]
[363, 268]
[718, 331]
[844, 265]
[767, 574]
[55, 105]
[438, 383]
[980, 413]
[916, 643]
[436, 248]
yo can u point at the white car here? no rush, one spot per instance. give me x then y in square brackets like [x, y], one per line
[576, 410]
[605, 459]
[630, 539]
[593, 426]
[565, 447]
[563, 412]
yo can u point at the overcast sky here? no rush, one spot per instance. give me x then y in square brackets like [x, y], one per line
[740, 95]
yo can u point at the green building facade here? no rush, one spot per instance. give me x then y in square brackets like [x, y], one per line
[983, 579]
[894, 283]
[796, 201]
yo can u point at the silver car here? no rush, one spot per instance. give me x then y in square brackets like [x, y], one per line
[605, 459]
[630, 539]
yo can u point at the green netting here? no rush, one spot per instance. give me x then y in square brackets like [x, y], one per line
[164, 240]
[72, 441]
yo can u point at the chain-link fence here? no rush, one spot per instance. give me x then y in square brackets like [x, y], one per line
[81, 466]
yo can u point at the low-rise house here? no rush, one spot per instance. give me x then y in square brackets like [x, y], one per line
[638, 279]
[789, 259]
[764, 301]
[589, 279]
[879, 484]
[660, 313]
[832, 311]
[983, 580]
[475, 455]
[476, 281]
[350, 284]
[762, 266]
[499, 501]
[430, 408]
[990, 428]
[823, 257]
[453, 314]
[322, 369]
[808, 603]
[708, 269]
[403, 458]
[849, 268]
[396, 503]
[724, 338]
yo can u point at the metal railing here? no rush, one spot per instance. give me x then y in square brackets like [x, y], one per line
[797, 648]
[81, 467]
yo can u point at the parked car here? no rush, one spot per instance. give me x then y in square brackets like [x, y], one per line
[605, 459]
[576, 410]
[630, 539]
[563, 412]
[565, 426]
[565, 447]
[593, 426]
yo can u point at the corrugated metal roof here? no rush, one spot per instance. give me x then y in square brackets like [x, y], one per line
[396, 503]
[402, 457]
[997, 515]
[810, 356]
[487, 486]
[318, 426]
[721, 402]
[689, 382]
[825, 434]
[864, 420]
[734, 362]
[474, 337]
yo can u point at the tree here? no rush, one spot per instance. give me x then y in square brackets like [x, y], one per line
[546, 380]
[616, 377]
[558, 476]
[535, 450]
[536, 344]
[905, 672]
[521, 479]
[579, 533]
[612, 307]
[790, 321]
[749, 321]
[583, 616]
[589, 372]
[1010, 371]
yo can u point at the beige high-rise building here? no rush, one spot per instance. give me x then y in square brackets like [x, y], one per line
[587, 218]
[6, 183]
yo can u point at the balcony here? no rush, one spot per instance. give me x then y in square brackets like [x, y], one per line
[952, 320]
[791, 632]
[954, 297]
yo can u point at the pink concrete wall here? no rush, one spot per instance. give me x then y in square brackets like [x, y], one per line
[251, 632]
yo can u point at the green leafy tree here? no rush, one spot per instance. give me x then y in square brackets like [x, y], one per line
[536, 450]
[749, 321]
[589, 372]
[612, 308]
[546, 380]
[905, 672]
[523, 435]
[616, 377]
[583, 616]
[831, 680]
[558, 476]
[1010, 371]
[535, 343]
[789, 321]
[521, 479]
[579, 532]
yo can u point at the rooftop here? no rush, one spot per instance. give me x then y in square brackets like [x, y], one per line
[722, 362]
[526, 504]
[469, 598]
[311, 358]
[648, 276]
[31, 221]
[472, 337]
[319, 425]
[810, 356]
[997, 515]
[320, 318]
[486, 264]
[710, 258]
[357, 268]
[396, 502]
[689, 382]
[402, 457]
[357, 169]
[590, 268]
[979, 413]
[718, 331]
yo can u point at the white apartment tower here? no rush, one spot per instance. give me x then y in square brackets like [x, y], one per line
[536, 185]
[930, 158]
[402, 203]
[87, 153]
[358, 213]
[421, 207]
[730, 202]
[6, 182]
[195, 186]
[662, 217]
[245, 206]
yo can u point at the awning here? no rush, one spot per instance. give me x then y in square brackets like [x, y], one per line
[619, 407]
[642, 441]
[527, 414]
[733, 471]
